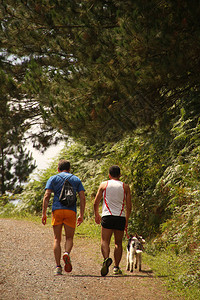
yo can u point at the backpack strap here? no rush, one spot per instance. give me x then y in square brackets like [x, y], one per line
[69, 178]
[65, 178]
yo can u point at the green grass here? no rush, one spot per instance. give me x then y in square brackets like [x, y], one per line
[8, 211]
[26, 217]
[89, 229]
[179, 272]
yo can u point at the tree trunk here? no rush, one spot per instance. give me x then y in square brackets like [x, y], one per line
[2, 191]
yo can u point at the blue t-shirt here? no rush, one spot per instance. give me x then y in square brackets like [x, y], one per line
[55, 184]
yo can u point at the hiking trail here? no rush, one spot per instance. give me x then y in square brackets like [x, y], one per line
[27, 269]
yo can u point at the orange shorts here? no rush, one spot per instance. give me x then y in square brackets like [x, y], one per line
[64, 216]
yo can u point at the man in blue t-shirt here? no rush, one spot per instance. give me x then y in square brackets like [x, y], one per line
[62, 215]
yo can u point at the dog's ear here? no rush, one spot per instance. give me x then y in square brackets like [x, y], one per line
[136, 235]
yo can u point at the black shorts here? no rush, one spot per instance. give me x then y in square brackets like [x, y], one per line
[113, 222]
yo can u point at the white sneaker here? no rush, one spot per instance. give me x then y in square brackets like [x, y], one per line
[58, 271]
[117, 271]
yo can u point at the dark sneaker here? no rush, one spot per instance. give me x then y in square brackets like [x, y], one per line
[106, 264]
[67, 261]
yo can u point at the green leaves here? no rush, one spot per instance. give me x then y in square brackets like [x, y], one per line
[127, 62]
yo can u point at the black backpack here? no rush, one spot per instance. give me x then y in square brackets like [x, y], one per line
[67, 195]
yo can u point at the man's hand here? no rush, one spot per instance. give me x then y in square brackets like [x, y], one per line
[44, 219]
[79, 221]
[98, 219]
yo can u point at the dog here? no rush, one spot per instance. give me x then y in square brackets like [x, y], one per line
[135, 248]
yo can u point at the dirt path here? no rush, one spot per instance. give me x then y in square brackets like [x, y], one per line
[27, 269]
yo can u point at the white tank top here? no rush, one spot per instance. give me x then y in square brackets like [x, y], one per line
[113, 199]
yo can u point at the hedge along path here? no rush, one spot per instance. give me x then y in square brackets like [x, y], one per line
[27, 269]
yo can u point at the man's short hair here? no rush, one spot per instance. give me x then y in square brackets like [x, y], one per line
[64, 165]
[114, 171]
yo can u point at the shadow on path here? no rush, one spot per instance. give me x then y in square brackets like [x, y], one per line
[116, 276]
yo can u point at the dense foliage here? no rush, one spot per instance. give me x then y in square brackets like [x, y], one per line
[102, 68]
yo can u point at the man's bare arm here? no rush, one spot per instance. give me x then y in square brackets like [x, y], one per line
[82, 207]
[97, 201]
[46, 199]
[128, 203]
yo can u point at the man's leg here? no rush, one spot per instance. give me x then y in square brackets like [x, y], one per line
[69, 234]
[57, 240]
[118, 234]
[105, 241]
[105, 249]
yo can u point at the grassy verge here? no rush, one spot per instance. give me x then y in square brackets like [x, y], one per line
[179, 272]
[12, 214]
[89, 229]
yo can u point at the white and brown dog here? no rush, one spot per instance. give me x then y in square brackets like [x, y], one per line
[135, 248]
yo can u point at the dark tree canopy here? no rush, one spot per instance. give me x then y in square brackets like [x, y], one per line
[19, 112]
[99, 69]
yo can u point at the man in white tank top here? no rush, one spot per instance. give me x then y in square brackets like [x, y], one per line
[116, 210]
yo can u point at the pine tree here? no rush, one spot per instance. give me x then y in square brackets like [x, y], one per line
[17, 116]
[100, 69]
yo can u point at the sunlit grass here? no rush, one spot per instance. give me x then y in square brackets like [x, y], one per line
[89, 229]
[9, 211]
[176, 272]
